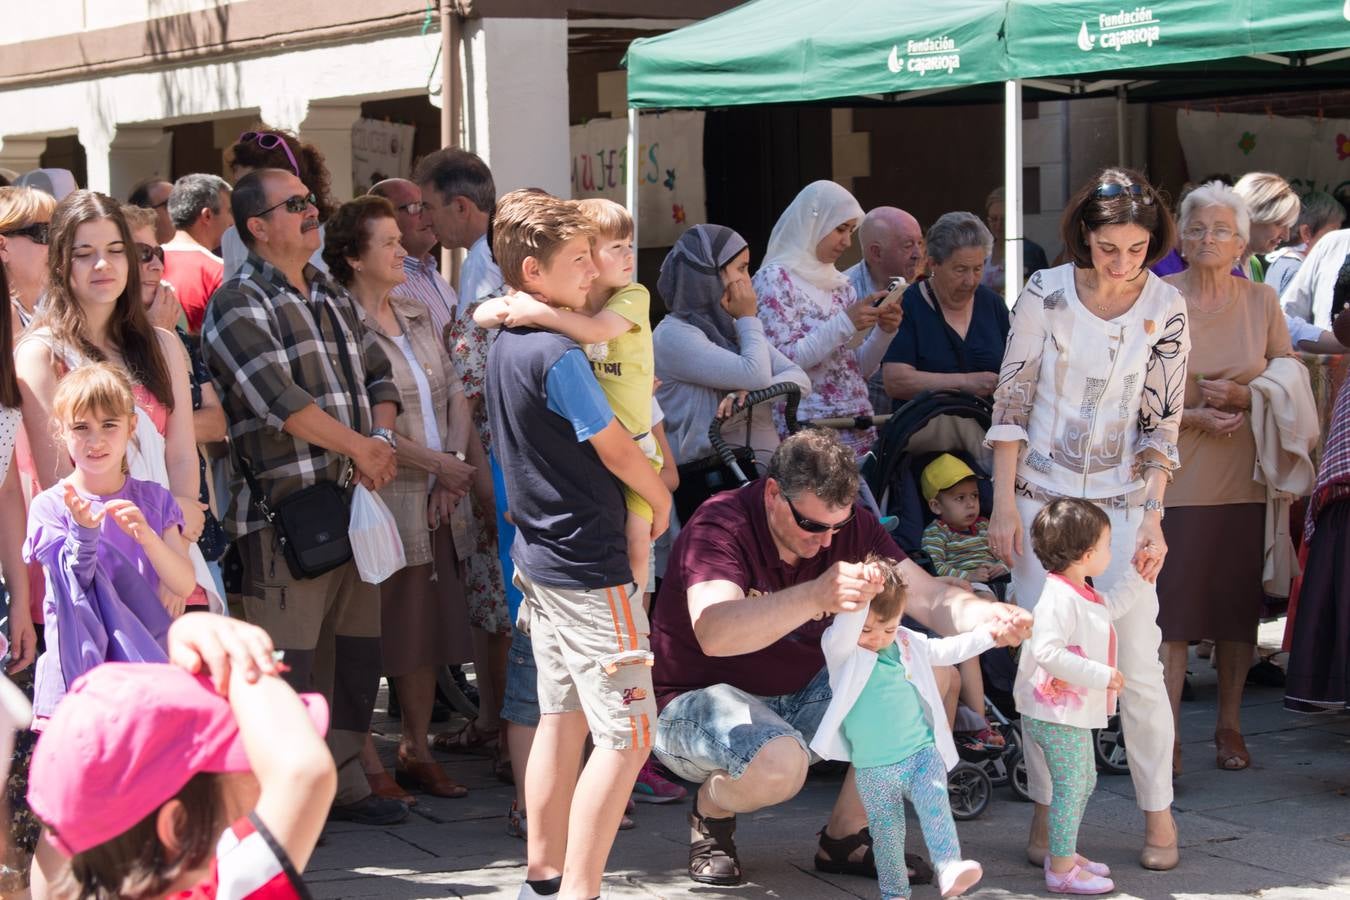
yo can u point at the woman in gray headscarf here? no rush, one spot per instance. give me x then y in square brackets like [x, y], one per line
[711, 347]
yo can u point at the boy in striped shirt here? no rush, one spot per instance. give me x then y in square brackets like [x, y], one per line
[957, 541]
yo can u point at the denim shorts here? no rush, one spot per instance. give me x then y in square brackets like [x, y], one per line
[722, 728]
[520, 705]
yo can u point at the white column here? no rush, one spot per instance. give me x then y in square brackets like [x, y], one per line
[97, 142]
[139, 152]
[328, 126]
[1012, 187]
[22, 154]
[515, 103]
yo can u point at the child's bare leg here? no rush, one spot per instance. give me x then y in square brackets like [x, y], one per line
[550, 781]
[638, 533]
[603, 791]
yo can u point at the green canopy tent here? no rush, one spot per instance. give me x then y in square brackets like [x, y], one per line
[863, 52]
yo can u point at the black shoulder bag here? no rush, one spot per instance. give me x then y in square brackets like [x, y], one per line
[311, 524]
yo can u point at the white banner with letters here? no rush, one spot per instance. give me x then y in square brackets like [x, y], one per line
[1313, 154]
[670, 170]
[380, 150]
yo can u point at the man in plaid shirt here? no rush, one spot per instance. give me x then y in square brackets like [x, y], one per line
[273, 338]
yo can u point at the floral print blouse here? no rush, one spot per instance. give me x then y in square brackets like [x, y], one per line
[1089, 395]
[813, 329]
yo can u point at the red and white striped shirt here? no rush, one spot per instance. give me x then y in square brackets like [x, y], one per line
[249, 865]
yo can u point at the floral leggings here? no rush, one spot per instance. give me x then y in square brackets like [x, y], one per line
[922, 779]
[1073, 774]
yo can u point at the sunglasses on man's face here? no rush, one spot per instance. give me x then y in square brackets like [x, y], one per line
[38, 232]
[296, 205]
[147, 252]
[811, 525]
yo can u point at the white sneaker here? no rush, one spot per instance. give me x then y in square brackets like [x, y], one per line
[958, 877]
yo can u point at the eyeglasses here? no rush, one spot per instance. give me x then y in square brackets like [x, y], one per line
[1198, 233]
[297, 204]
[413, 209]
[38, 232]
[811, 525]
[269, 141]
[148, 252]
[1116, 189]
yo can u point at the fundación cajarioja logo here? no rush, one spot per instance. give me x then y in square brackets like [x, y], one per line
[934, 54]
[1121, 29]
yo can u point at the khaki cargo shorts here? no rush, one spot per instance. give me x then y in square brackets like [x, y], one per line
[593, 654]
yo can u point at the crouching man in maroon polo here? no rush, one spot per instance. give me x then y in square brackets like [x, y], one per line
[740, 677]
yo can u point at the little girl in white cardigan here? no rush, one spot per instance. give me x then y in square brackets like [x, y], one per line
[1067, 681]
[886, 716]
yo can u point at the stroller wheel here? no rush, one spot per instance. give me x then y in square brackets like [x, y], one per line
[969, 791]
[1017, 776]
[1108, 746]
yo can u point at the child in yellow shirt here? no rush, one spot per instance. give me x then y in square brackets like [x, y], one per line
[615, 331]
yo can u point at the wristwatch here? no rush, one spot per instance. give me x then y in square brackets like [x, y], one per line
[1151, 505]
[458, 454]
[387, 435]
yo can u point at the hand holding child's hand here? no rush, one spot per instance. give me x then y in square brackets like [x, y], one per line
[1010, 625]
[1117, 682]
[130, 519]
[523, 310]
[194, 517]
[207, 644]
[845, 586]
[80, 509]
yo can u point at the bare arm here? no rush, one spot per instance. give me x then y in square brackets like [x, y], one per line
[180, 441]
[22, 637]
[603, 326]
[35, 367]
[950, 610]
[620, 454]
[208, 423]
[373, 457]
[670, 472]
[904, 382]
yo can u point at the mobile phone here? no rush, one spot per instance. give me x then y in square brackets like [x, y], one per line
[894, 288]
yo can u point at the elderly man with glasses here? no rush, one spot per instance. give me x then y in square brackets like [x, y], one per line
[740, 677]
[305, 389]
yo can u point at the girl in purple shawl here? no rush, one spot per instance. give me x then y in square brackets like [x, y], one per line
[111, 546]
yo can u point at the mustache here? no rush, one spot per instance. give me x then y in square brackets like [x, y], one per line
[309, 225]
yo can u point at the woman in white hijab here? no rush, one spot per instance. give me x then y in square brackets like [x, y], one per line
[811, 314]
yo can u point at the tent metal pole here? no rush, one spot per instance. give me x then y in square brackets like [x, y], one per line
[631, 173]
[1122, 128]
[1012, 190]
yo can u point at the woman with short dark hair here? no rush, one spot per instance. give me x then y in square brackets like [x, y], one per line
[1089, 405]
[424, 618]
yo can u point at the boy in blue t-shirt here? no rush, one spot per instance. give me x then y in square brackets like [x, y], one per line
[565, 455]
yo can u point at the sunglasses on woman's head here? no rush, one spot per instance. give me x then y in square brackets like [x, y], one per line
[38, 232]
[147, 252]
[269, 141]
[811, 525]
[1116, 189]
[297, 205]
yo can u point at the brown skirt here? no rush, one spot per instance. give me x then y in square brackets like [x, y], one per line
[1210, 586]
[425, 622]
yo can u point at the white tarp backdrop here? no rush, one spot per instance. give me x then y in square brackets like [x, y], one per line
[1313, 154]
[670, 170]
[380, 150]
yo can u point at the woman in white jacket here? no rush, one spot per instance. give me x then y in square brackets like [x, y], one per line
[1088, 405]
[886, 716]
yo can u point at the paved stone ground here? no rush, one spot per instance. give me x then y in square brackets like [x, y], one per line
[1279, 830]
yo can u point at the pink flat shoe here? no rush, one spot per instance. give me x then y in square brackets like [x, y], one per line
[958, 877]
[1071, 883]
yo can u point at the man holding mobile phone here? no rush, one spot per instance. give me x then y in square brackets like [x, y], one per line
[892, 245]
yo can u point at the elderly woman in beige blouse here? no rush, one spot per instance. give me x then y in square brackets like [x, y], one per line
[1211, 587]
[424, 618]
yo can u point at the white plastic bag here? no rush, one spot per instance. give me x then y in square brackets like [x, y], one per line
[376, 546]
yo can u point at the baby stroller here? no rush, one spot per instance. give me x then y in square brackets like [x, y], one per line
[731, 465]
[954, 422]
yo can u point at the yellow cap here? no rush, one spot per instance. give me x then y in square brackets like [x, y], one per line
[944, 472]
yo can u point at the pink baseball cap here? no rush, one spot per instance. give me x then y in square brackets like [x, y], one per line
[125, 740]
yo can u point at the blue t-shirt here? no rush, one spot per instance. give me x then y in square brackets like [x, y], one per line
[926, 342]
[574, 394]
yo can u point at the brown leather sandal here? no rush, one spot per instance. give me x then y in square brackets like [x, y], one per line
[713, 859]
[838, 858]
[1232, 753]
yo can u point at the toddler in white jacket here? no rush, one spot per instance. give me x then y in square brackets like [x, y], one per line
[886, 716]
[1067, 681]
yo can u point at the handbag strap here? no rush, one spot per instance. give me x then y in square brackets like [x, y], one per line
[352, 384]
[957, 346]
